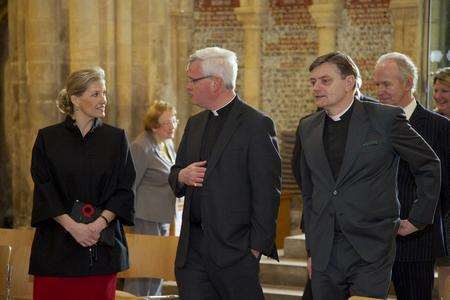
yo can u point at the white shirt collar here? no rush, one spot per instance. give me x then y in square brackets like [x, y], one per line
[409, 109]
[214, 111]
[338, 116]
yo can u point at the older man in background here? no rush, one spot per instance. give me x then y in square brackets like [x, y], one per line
[395, 76]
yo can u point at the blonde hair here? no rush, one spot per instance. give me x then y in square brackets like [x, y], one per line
[156, 109]
[76, 84]
[443, 75]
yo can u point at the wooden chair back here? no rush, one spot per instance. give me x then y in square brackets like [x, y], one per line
[21, 282]
[151, 256]
[5, 271]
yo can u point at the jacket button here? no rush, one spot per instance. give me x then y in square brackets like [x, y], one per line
[335, 192]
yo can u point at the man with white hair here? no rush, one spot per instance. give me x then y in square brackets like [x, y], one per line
[395, 76]
[229, 169]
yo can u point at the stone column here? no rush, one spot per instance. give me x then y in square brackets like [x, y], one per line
[407, 34]
[181, 46]
[140, 39]
[123, 66]
[32, 84]
[107, 52]
[252, 16]
[84, 33]
[327, 15]
[14, 109]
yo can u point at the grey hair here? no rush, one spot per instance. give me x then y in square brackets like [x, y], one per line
[405, 65]
[218, 62]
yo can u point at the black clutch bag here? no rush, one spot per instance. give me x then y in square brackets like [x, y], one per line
[87, 213]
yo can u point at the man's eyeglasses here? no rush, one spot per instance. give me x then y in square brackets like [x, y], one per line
[173, 121]
[194, 80]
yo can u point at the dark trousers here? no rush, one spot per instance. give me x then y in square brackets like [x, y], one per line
[413, 280]
[347, 274]
[307, 291]
[202, 279]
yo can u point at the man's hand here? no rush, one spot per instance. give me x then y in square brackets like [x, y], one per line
[255, 253]
[309, 267]
[193, 174]
[406, 228]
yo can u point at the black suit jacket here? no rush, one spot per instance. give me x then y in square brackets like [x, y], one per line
[295, 160]
[241, 188]
[428, 243]
[364, 196]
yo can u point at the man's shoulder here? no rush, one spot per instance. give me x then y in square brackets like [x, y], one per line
[381, 111]
[251, 113]
[310, 118]
[368, 99]
[434, 116]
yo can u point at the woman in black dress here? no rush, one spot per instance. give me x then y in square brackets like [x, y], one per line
[83, 174]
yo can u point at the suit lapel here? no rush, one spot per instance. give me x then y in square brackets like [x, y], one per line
[357, 131]
[155, 148]
[232, 122]
[317, 148]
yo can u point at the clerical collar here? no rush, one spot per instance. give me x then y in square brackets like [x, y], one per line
[409, 109]
[218, 111]
[338, 116]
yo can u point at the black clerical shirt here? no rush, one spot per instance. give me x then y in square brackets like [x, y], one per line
[212, 131]
[334, 140]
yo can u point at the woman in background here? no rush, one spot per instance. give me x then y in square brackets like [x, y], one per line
[441, 95]
[83, 175]
[153, 154]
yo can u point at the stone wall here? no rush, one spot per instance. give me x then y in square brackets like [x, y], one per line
[143, 45]
[289, 46]
[365, 34]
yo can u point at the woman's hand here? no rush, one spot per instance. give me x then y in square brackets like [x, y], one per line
[97, 226]
[84, 234]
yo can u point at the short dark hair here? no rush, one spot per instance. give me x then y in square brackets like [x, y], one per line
[343, 62]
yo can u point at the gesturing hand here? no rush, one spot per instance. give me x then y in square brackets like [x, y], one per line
[193, 174]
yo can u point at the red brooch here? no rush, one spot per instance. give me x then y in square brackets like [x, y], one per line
[88, 210]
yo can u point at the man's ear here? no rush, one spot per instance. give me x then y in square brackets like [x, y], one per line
[409, 82]
[350, 83]
[216, 84]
